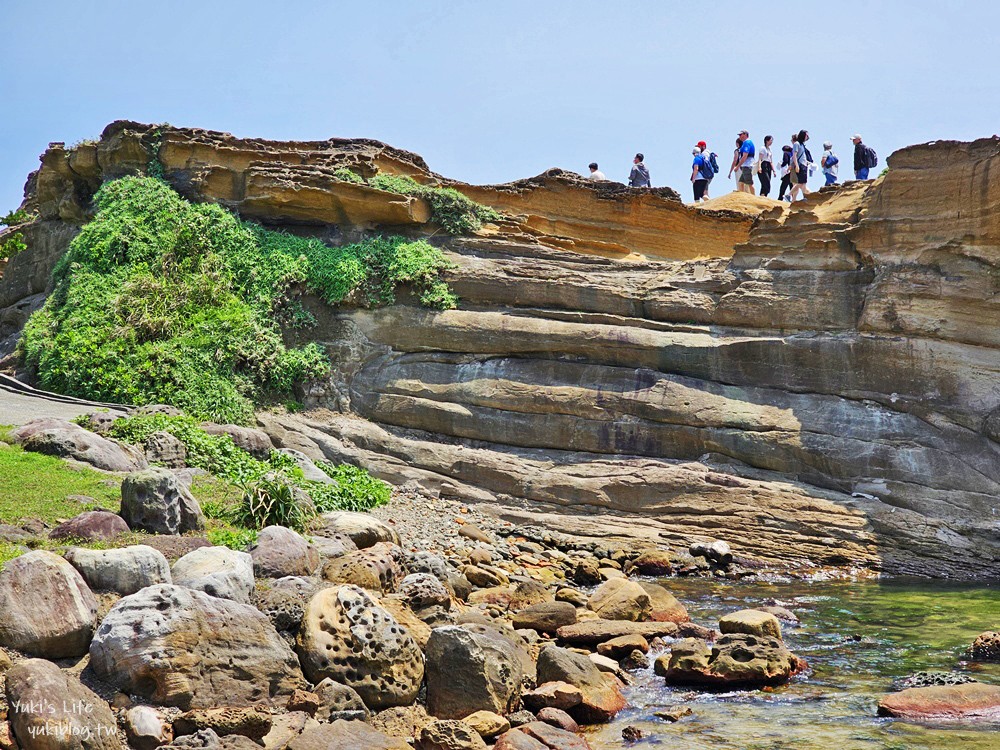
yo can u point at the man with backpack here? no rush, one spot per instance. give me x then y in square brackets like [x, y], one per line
[639, 177]
[712, 160]
[865, 158]
[830, 163]
[700, 171]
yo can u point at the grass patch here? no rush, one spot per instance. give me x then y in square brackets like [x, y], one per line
[159, 300]
[452, 210]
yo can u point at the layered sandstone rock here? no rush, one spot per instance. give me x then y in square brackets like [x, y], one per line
[819, 388]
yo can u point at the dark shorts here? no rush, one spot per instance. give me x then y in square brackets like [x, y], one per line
[746, 175]
[802, 176]
[699, 189]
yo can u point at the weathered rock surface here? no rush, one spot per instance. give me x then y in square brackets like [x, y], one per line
[620, 599]
[179, 647]
[469, 672]
[224, 721]
[347, 637]
[123, 571]
[154, 500]
[375, 568]
[449, 734]
[363, 529]
[46, 608]
[751, 622]
[973, 700]
[592, 632]
[218, 571]
[355, 735]
[734, 660]
[52, 710]
[986, 647]
[601, 693]
[281, 552]
[146, 729]
[91, 525]
[812, 384]
[58, 437]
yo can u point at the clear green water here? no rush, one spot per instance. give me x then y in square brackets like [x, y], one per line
[857, 637]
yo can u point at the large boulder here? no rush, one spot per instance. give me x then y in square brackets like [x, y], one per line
[592, 632]
[164, 449]
[253, 441]
[653, 562]
[346, 735]
[602, 696]
[146, 728]
[281, 552]
[154, 500]
[546, 617]
[52, 710]
[621, 599]
[57, 437]
[346, 636]
[449, 734]
[552, 737]
[46, 608]
[123, 571]
[751, 622]
[972, 700]
[335, 700]
[285, 601]
[735, 660]
[421, 590]
[376, 568]
[179, 647]
[468, 672]
[986, 647]
[364, 530]
[92, 525]
[664, 606]
[218, 571]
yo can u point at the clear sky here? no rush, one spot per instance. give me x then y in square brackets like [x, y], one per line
[490, 91]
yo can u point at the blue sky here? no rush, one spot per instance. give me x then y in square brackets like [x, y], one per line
[492, 91]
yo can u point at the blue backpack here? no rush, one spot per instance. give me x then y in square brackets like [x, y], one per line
[713, 163]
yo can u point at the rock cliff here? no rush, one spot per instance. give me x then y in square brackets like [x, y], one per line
[817, 384]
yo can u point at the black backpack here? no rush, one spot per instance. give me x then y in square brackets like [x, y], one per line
[870, 157]
[713, 163]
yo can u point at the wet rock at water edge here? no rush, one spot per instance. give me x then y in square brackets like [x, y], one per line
[734, 660]
[986, 647]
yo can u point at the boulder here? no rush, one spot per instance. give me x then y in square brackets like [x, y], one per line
[751, 622]
[224, 721]
[333, 546]
[281, 552]
[735, 660]
[52, 710]
[664, 605]
[363, 529]
[91, 525]
[57, 437]
[449, 734]
[421, 590]
[349, 735]
[285, 601]
[553, 737]
[253, 441]
[623, 645]
[400, 611]
[145, 728]
[163, 449]
[528, 594]
[602, 697]
[592, 632]
[653, 562]
[621, 599]
[218, 571]
[476, 534]
[375, 568]
[285, 727]
[123, 571]
[155, 501]
[180, 647]
[546, 617]
[518, 740]
[346, 636]
[469, 672]
[337, 701]
[487, 723]
[587, 572]
[483, 577]
[986, 647]
[559, 695]
[574, 596]
[558, 718]
[972, 700]
[46, 608]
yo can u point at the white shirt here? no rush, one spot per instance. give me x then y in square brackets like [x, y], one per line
[596, 175]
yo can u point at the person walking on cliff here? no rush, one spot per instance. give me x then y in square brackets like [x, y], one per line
[786, 169]
[765, 166]
[830, 163]
[800, 165]
[864, 158]
[712, 158]
[639, 177]
[700, 171]
[744, 163]
[595, 174]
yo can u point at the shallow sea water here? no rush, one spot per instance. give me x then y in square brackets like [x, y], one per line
[857, 636]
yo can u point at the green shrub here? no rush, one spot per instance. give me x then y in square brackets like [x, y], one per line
[273, 500]
[456, 213]
[236, 539]
[14, 242]
[354, 489]
[346, 175]
[162, 301]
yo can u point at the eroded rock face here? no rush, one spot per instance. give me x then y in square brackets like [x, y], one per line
[123, 571]
[46, 608]
[218, 571]
[376, 568]
[154, 500]
[734, 660]
[346, 636]
[179, 647]
[601, 696]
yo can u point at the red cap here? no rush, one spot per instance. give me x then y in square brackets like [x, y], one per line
[702, 144]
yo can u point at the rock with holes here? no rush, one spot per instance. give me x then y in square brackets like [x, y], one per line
[123, 571]
[224, 721]
[281, 552]
[163, 449]
[421, 590]
[51, 710]
[218, 571]
[348, 637]
[468, 672]
[428, 562]
[375, 568]
[179, 647]
[449, 734]
[154, 500]
[46, 608]
[734, 660]
[337, 701]
[57, 437]
[346, 735]
[92, 525]
[285, 601]
[986, 647]
[364, 530]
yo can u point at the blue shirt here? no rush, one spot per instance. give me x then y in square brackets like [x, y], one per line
[748, 149]
[704, 167]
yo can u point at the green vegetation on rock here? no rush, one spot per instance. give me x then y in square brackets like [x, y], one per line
[13, 243]
[456, 213]
[163, 301]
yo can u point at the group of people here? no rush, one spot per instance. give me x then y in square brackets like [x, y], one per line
[795, 167]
